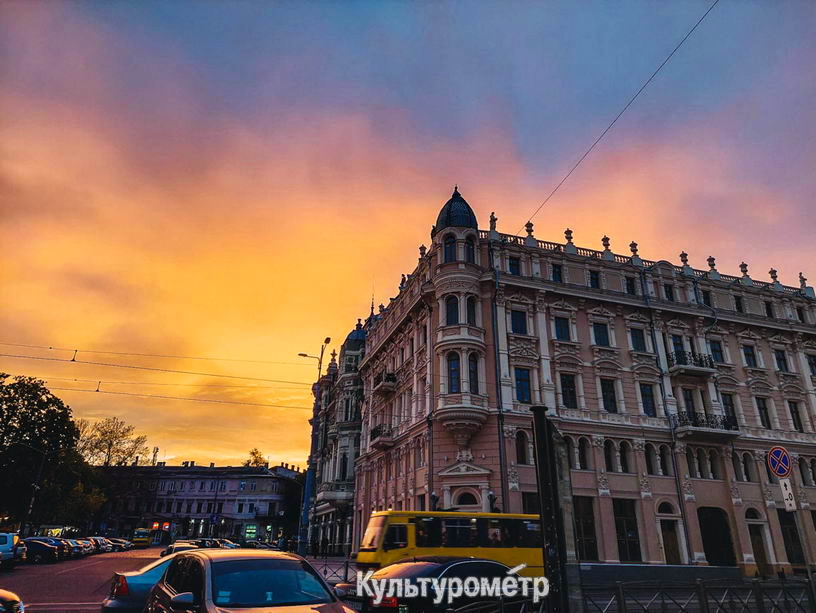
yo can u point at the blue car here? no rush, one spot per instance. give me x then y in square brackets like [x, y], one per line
[129, 590]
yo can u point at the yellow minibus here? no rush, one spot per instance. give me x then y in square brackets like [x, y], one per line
[511, 539]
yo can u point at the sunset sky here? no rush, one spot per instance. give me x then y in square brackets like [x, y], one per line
[232, 179]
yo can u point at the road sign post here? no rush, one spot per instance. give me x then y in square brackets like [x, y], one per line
[787, 494]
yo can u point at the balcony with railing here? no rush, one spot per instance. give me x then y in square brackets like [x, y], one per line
[705, 426]
[382, 436]
[385, 383]
[689, 363]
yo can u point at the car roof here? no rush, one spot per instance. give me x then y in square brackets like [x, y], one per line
[243, 554]
[426, 565]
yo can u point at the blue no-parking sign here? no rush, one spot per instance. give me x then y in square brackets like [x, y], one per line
[779, 461]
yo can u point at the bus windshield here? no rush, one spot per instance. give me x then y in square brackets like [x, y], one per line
[141, 533]
[373, 533]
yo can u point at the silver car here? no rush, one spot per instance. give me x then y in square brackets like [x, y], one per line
[249, 580]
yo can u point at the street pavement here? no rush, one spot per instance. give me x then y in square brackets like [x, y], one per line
[72, 585]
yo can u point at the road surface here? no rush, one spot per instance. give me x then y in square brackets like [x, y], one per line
[72, 585]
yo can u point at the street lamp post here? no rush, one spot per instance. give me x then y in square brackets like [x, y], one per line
[303, 520]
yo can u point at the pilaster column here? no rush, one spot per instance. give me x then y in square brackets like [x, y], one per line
[671, 401]
[545, 360]
[506, 382]
[810, 398]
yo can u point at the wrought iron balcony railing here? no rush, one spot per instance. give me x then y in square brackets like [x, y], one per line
[380, 431]
[687, 358]
[704, 420]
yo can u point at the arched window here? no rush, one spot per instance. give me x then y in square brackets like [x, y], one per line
[470, 251]
[665, 461]
[521, 447]
[771, 476]
[625, 457]
[471, 311]
[736, 463]
[450, 248]
[454, 373]
[473, 372]
[583, 454]
[713, 464]
[747, 467]
[609, 456]
[804, 472]
[665, 508]
[813, 470]
[343, 467]
[752, 514]
[651, 459]
[451, 310]
[570, 451]
[466, 499]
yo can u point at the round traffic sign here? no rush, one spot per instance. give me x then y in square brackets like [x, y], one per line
[779, 461]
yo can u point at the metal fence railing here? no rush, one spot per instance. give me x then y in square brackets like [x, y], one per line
[335, 570]
[790, 596]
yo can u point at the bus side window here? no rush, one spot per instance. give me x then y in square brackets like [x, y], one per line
[396, 537]
[510, 532]
[530, 534]
[459, 532]
[493, 534]
[428, 532]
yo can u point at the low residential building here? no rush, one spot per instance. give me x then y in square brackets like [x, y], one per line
[241, 502]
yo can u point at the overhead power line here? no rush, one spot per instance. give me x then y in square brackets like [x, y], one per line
[153, 355]
[152, 369]
[622, 111]
[216, 385]
[252, 404]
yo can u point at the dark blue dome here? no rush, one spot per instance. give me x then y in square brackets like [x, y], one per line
[455, 214]
[358, 334]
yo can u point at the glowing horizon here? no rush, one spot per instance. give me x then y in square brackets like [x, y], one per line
[235, 182]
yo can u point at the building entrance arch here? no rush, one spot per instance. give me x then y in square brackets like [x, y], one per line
[716, 534]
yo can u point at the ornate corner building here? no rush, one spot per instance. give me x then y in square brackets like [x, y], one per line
[336, 445]
[669, 385]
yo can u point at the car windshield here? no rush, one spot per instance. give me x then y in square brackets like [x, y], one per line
[373, 532]
[266, 582]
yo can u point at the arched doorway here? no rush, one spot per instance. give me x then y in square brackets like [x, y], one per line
[669, 533]
[716, 534]
[756, 531]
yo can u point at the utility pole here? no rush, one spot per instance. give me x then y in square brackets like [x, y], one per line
[308, 487]
[552, 520]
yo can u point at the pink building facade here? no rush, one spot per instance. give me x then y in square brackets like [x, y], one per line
[669, 385]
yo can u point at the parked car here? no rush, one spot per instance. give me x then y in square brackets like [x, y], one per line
[100, 544]
[12, 549]
[177, 547]
[213, 580]
[40, 551]
[129, 590]
[120, 544]
[437, 567]
[62, 548]
[227, 544]
[76, 550]
[87, 546]
[257, 545]
[11, 602]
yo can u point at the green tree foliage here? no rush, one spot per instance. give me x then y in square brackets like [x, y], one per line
[110, 442]
[36, 430]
